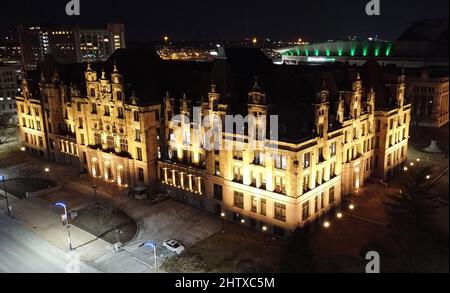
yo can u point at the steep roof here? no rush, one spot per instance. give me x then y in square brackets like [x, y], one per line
[428, 30]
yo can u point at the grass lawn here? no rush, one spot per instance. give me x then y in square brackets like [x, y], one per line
[19, 187]
[100, 221]
[230, 252]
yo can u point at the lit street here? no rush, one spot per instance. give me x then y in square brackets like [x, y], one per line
[24, 252]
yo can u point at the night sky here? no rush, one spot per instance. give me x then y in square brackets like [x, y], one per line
[148, 20]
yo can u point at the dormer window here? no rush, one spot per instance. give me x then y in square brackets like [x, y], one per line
[106, 110]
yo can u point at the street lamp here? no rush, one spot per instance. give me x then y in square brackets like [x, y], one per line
[8, 207]
[412, 164]
[94, 187]
[223, 221]
[405, 168]
[66, 218]
[428, 177]
[351, 207]
[339, 215]
[23, 149]
[151, 245]
[326, 224]
[47, 171]
[243, 228]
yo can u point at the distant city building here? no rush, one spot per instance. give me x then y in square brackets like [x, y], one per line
[338, 126]
[190, 53]
[428, 91]
[69, 44]
[8, 90]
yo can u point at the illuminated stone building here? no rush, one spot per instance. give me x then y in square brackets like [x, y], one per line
[337, 126]
[428, 90]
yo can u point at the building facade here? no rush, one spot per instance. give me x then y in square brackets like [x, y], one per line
[428, 89]
[340, 137]
[281, 185]
[92, 126]
[69, 44]
[8, 91]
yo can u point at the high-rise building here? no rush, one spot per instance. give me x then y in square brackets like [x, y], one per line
[9, 89]
[124, 121]
[69, 44]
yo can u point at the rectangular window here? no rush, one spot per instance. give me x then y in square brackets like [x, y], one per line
[238, 174]
[139, 154]
[280, 161]
[110, 142]
[331, 197]
[389, 160]
[254, 204]
[237, 155]
[259, 158]
[94, 108]
[263, 207]
[106, 109]
[305, 211]
[140, 175]
[320, 155]
[98, 139]
[306, 160]
[239, 200]
[333, 149]
[124, 146]
[80, 123]
[78, 106]
[280, 212]
[82, 138]
[316, 204]
[280, 185]
[218, 192]
[332, 170]
[187, 137]
[306, 183]
[137, 135]
[136, 116]
[322, 200]
[120, 113]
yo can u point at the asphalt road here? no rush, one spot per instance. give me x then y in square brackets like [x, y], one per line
[22, 251]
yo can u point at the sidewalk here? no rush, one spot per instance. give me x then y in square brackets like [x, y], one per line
[37, 216]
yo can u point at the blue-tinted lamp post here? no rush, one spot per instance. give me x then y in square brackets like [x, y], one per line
[63, 205]
[152, 245]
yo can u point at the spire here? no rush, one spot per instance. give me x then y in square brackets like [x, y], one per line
[115, 68]
[358, 75]
[324, 84]
[103, 74]
[213, 86]
[89, 67]
[256, 86]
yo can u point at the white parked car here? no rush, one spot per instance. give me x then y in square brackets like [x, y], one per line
[173, 246]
